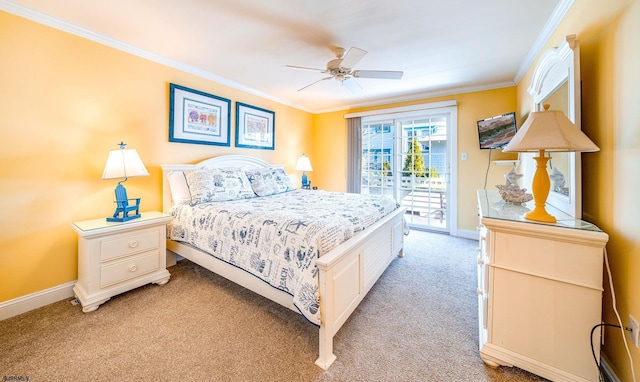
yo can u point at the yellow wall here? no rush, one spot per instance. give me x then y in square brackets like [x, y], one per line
[65, 102]
[330, 147]
[610, 70]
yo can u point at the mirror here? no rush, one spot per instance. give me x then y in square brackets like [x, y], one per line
[559, 164]
[556, 82]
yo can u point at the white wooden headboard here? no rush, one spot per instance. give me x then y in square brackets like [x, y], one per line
[224, 161]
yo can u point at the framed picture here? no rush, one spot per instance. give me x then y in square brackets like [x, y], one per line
[198, 117]
[255, 127]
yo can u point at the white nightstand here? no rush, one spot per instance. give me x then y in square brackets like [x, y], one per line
[116, 257]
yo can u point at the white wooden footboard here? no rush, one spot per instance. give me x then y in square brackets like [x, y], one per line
[348, 272]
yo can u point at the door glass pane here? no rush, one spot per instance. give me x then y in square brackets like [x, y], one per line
[423, 187]
[377, 158]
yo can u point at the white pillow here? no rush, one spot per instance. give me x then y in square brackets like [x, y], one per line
[231, 184]
[179, 188]
[282, 180]
[262, 181]
[217, 185]
[200, 183]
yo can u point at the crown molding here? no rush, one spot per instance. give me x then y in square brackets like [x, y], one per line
[550, 26]
[419, 96]
[30, 14]
[65, 26]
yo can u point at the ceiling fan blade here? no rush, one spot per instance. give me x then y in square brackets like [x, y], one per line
[305, 68]
[313, 83]
[384, 74]
[351, 84]
[352, 57]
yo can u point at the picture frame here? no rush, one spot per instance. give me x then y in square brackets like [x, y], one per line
[255, 127]
[198, 117]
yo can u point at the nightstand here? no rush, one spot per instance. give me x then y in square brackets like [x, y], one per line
[116, 257]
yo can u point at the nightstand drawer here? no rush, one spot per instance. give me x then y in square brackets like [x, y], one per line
[128, 268]
[124, 245]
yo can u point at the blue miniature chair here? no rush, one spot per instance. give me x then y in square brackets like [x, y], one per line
[123, 207]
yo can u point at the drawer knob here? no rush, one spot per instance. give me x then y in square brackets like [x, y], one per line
[133, 268]
[133, 244]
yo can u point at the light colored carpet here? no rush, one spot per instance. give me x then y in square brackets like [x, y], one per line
[418, 323]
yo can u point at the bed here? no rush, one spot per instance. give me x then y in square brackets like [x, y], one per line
[343, 266]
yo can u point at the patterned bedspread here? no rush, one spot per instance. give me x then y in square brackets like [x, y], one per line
[277, 237]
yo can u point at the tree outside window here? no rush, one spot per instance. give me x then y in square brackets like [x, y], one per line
[414, 163]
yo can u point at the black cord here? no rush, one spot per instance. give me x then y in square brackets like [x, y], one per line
[593, 352]
[487, 173]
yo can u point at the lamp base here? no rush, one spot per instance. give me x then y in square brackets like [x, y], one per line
[125, 211]
[540, 187]
[305, 181]
[541, 215]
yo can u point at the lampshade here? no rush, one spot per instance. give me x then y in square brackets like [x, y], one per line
[123, 163]
[549, 130]
[303, 164]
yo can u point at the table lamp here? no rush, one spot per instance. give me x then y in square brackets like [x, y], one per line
[548, 130]
[304, 165]
[124, 163]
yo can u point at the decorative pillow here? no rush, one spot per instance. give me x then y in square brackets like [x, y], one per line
[262, 181]
[217, 185]
[282, 180]
[231, 184]
[200, 183]
[179, 188]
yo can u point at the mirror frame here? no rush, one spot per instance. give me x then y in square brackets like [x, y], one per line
[555, 67]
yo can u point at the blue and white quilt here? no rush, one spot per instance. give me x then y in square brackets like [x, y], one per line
[278, 237]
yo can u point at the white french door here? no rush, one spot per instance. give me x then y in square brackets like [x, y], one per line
[409, 157]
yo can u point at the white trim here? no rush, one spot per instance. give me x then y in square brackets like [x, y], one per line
[556, 17]
[420, 96]
[468, 234]
[452, 187]
[35, 300]
[65, 26]
[403, 109]
[607, 370]
[550, 26]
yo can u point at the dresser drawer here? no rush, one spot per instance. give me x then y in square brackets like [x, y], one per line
[128, 268]
[135, 242]
[553, 258]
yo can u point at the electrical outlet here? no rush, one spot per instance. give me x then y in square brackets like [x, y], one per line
[633, 334]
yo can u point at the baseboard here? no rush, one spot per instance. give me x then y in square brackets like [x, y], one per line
[35, 300]
[466, 234]
[609, 374]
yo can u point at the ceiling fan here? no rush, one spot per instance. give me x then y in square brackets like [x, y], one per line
[341, 68]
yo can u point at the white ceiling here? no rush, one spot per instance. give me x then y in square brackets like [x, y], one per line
[443, 47]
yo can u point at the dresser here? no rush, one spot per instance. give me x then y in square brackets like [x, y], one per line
[539, 290]
[116, 257]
